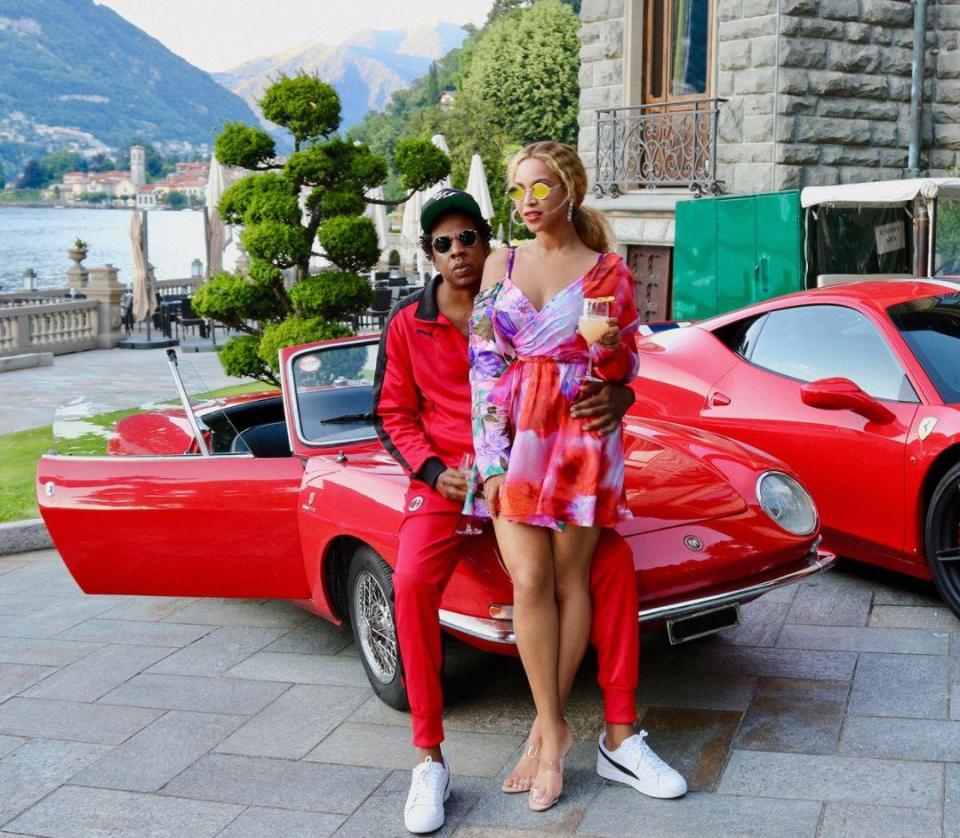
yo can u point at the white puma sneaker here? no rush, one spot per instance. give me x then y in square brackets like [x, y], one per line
[635, 764]
[429, 790]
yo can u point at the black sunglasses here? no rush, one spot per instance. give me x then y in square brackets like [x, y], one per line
[441, 244]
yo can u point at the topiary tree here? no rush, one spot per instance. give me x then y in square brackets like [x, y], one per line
[310, 204]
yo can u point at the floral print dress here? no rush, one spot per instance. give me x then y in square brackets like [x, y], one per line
[525, 370]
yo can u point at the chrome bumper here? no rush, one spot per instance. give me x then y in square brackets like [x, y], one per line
[501, 631]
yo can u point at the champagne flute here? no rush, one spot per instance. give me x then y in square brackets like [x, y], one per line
[469, 524]
[592, 325]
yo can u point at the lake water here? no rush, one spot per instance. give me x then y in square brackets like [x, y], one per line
[39, 237]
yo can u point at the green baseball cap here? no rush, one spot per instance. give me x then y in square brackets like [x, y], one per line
[445, 200]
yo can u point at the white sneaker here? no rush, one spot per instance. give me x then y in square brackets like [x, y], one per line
[635, 764]
[429, 790]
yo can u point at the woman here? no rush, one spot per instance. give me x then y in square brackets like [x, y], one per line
[549, 485]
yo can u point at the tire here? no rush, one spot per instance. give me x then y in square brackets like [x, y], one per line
[942, 538]
[370, 598]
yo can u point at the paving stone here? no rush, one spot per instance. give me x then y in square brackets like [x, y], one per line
[159, 752]
[215, 653]
[43, 652]
[820, 605]
[20, 605]
[760, 623]
[296, 722]
[951, 800]
[381, 814]
[373, 711]
[37, 768]
[794, 714]
[17, 677]
[680, 688]
[149, 608]
[469, 754]
[50, 577]
[277, 783]
[301, 669]
[270, 613]
[913, 616]
[831, 778]
[846, 820]
[74, 721]
[192, 692]
[137, 632]
[96, 674]
[315, 637]
[911, 686]
[10, 743]
[257, 822]
[619, 811]
[53, 620]
[695, 742]
[581, 785]
[955, 701]
[853, 639]
[72, 812]
[932, 740]
[488, 832]
[717, 657]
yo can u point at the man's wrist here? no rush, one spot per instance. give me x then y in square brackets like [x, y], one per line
[430, 471]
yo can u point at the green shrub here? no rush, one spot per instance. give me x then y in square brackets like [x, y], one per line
[294, 331]
[350, 242]
[331, 295]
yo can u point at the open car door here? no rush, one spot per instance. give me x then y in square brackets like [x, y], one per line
[177, 524]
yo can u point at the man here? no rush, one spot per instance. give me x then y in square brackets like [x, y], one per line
[421, 408]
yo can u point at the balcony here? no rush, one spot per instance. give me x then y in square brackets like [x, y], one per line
[655, 146]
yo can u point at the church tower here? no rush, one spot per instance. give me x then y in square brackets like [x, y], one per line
[138, 165]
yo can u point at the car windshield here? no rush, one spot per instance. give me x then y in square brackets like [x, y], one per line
[333, 388]
[931, 328]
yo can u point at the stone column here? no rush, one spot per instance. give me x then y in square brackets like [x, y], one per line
[106, 290]
[77, 274]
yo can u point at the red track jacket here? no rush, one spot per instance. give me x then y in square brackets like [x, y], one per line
[421, 390]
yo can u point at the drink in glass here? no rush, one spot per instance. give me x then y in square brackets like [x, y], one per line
[592, 324]
[469, 524]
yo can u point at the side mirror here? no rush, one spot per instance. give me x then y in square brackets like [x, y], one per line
[843, 394]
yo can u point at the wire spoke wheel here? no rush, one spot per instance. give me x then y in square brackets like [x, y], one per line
[375, 628]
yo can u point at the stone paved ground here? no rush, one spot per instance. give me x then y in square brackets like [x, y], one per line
[834, 710]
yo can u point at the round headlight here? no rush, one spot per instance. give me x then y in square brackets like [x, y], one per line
[787, 502]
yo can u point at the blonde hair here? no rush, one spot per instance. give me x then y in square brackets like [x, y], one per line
[591, 224]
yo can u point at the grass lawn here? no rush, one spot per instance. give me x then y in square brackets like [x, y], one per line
[20, 451]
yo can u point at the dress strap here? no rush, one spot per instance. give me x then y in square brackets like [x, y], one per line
[513, 253]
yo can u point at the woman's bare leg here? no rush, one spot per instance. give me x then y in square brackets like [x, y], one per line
[529, 560]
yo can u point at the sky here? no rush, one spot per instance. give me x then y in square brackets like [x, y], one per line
[219, 34]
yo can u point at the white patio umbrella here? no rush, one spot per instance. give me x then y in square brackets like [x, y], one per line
[144, 283]
[377, 213]
[440, 142]
[216, 234]
[477, 186]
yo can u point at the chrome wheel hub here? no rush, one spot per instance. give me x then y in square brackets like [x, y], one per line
[378, 636]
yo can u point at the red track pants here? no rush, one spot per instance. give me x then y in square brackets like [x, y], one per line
[429, 551]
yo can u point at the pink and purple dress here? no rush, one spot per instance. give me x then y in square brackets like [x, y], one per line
[525, 371]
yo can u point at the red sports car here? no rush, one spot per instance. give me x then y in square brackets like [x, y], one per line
[856, 387]
[291, 495]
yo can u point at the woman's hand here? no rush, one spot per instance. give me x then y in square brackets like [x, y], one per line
[491, 492]
[610, 339]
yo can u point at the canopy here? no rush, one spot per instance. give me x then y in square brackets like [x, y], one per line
[440, 142]
[216, 234]
[377, 213]
[144, 284]
[477, 186]
[880, 191]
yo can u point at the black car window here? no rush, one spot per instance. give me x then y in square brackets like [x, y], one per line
[826, 341]
[741, 337]
[931, 328]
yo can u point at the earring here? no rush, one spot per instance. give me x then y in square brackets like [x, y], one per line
[570, 211]
[514, 217]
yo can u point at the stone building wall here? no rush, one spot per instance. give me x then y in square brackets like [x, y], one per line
[818, 90]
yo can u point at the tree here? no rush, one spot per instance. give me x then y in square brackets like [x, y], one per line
[176, 200]
[57, 164]
[101, 163]
[32, 177]
[309, 204]
[526, 66]
[501, 8]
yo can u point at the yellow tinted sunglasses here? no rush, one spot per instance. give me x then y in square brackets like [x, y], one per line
[539, 191]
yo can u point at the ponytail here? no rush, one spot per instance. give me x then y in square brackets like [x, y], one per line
[592, 228]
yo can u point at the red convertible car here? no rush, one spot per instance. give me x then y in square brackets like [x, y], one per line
[290, 495]
[856, 387]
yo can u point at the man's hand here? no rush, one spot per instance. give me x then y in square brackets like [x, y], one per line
[491, 492]
[602, 405]
[452, 485]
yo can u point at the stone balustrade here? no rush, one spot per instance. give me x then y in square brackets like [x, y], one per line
[58, 327]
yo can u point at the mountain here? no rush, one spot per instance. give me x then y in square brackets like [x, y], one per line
[74, 74]
[365, 69]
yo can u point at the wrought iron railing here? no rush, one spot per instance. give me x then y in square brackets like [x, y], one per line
[658, 145]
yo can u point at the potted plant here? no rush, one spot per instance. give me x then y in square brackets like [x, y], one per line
[78, 252]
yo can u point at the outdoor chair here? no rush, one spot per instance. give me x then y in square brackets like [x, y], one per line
[188, 318]
[374, 317]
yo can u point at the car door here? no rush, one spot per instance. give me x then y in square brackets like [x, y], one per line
[188, 525]
[854, 468]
